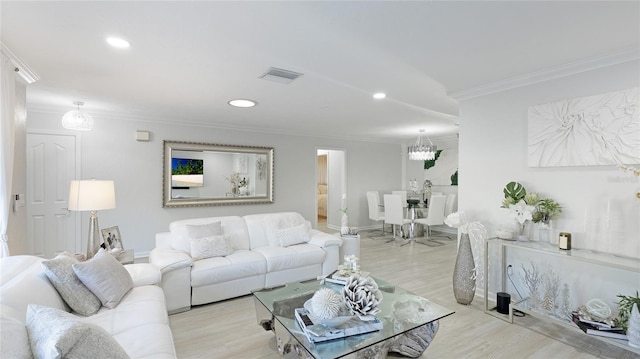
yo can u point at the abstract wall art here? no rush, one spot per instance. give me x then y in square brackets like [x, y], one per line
[587, 131]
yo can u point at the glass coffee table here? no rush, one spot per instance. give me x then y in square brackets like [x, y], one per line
[409, 323]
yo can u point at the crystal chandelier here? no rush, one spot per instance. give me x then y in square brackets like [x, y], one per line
[77, 120]
[421, 151]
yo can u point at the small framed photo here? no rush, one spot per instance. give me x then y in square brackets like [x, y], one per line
[112, 237]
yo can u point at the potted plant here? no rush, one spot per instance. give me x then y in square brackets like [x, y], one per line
[546, 209]
[625, 304]
[521, 206]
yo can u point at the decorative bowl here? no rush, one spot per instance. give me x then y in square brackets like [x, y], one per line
[504, 234]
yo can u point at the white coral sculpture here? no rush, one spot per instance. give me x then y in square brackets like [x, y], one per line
[326, 303]
[361, 295]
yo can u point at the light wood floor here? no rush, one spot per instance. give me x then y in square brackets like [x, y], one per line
[228, 329]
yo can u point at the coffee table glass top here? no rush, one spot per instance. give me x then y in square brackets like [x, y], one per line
[400, 311]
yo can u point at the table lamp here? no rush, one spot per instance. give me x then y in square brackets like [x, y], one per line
[92, 196]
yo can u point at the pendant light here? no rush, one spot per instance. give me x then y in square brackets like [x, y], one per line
[421, 151]
[77, 120]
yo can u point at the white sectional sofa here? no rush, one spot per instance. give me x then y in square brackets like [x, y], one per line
[267, 250]
[138, 323]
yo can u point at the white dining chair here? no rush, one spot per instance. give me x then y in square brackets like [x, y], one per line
[394, 212]
[376, 213]
[403, 196]
[450, 205]
[435, 216]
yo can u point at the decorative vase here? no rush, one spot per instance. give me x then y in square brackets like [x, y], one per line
[464, 273]
[523, 233]
[344, 228]
[544, 232]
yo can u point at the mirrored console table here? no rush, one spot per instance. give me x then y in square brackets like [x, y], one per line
[582, 255]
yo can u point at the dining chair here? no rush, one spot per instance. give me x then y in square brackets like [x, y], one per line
[376, 213]
[394, 212]
[450, 205]
[403, 196]
[435, 216]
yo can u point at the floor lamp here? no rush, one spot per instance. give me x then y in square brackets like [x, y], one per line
[93, 196]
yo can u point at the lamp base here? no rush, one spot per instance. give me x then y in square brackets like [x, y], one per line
[94, 242]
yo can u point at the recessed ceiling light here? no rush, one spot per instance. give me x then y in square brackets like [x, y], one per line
[118, 42]
[379, 95]
[239, 102]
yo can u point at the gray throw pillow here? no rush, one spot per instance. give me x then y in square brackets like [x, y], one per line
[54, 333]
[105, 277]
[195, 231]
[60, 273]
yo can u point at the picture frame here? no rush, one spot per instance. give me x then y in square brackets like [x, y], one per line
[112, 238]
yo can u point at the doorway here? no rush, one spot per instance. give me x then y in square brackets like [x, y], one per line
[330, 187]
[53, 161]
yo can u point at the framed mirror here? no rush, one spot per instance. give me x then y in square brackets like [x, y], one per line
[202, 174]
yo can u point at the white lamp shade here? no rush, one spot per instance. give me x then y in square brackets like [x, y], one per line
[91, 195]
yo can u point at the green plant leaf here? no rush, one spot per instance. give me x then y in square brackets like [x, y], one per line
[514, 190]
[430, 163]
[625, 305]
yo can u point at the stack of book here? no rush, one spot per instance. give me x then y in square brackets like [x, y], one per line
[598, 328]
[342, 277]
[318, 332]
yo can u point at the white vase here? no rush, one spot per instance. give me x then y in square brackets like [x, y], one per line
[344, 229]
[524, 231]
[544, 231]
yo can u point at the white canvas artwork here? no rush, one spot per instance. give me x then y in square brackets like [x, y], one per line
[586, 131]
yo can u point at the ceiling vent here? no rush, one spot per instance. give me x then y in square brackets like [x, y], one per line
[280, 75]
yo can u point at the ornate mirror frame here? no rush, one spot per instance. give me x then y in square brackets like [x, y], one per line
[203, 174]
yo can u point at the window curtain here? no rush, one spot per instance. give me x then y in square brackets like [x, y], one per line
[322, 169]
[7, 140]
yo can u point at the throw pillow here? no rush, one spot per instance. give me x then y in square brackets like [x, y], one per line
[60, 273]
[204, 230]
[105, 277]
[14, 339]
[293, 235]
[54, 333]
[208, 247]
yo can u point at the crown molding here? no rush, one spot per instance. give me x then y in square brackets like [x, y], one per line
[23, 70]
[572, 68]
[128, 117]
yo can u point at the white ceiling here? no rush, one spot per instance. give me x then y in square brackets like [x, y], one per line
[188, 59]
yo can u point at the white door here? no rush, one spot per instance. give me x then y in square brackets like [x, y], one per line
[52, 163]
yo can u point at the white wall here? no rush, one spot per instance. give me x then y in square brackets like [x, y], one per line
[111, 152]
[599, 206]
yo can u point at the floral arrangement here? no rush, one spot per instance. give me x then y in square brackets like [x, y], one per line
[460, 221]
[545, 210]
[457, 220]
[526, 207]
[234, 178]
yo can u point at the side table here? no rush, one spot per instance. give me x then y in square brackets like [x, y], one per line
[126, 256]
[350, 245]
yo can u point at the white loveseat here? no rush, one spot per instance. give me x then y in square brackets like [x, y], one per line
[139, 323]
[257, 260]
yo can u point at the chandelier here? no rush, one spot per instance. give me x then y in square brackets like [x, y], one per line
[421, 151]
[77, 120]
